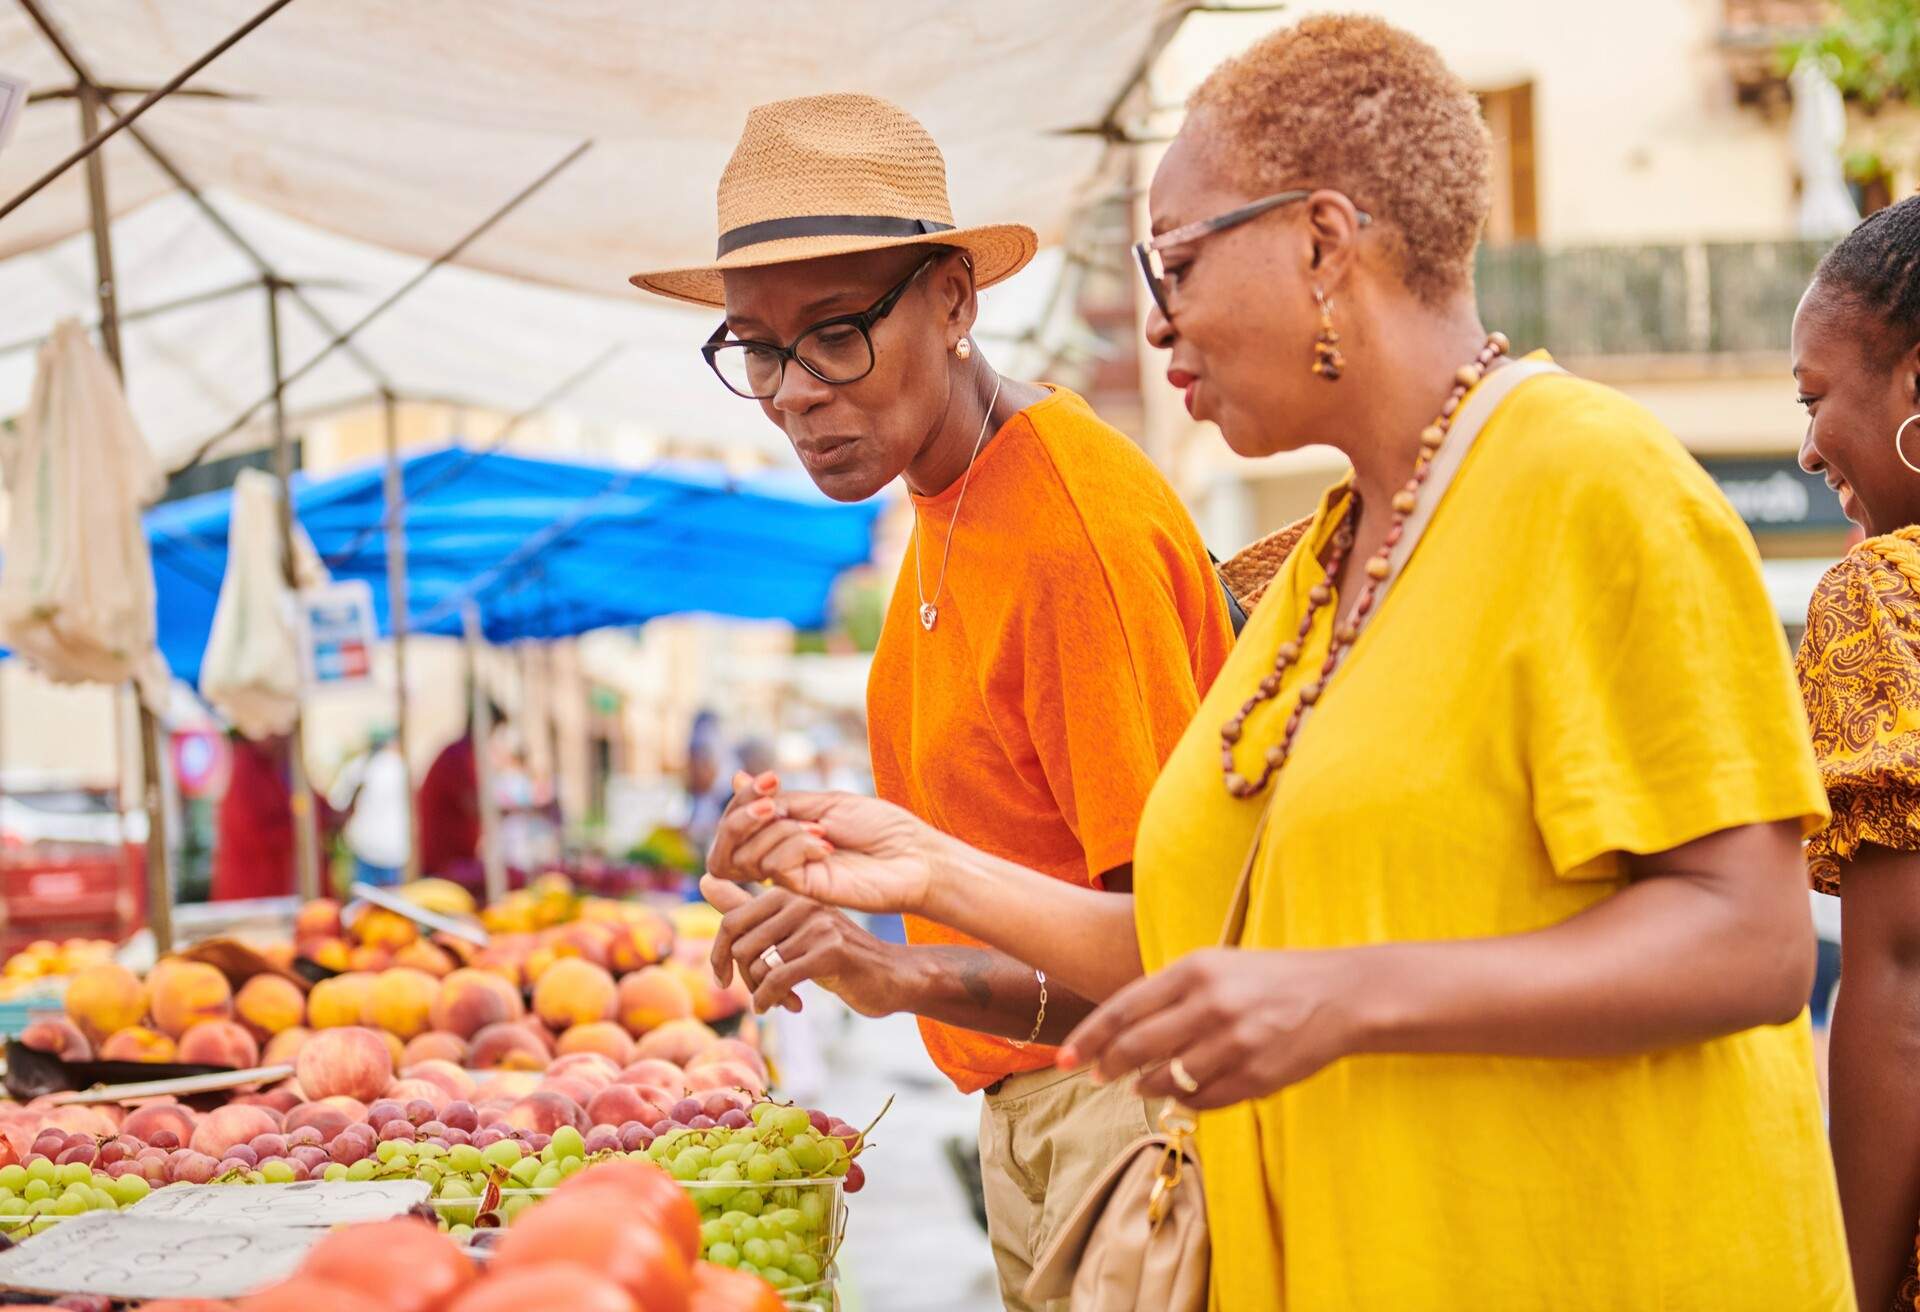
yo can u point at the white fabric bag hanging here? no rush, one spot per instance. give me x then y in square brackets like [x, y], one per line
[76, 585]
[251, 670]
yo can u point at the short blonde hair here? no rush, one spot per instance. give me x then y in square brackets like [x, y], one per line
[1360, 106]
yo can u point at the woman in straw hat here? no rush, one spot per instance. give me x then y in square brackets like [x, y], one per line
[1516, 1016]
[1050, 634]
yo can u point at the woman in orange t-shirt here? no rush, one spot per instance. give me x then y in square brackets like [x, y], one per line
[1046, 643]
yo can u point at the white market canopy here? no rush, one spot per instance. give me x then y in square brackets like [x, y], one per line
[350, 140]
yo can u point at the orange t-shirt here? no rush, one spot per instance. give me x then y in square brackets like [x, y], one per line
[1080, 623]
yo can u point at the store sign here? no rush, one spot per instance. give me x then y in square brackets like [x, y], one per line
[1775, 496]
[337, 623]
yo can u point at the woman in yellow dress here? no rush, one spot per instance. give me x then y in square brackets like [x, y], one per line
[1856, 361]
[1516, 1018]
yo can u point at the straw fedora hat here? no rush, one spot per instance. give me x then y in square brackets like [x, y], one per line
[829, 175]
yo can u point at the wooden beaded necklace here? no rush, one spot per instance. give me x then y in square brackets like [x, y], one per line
[1378, 568]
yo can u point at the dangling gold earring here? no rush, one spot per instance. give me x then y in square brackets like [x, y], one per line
[1327, 360]
[963, 348]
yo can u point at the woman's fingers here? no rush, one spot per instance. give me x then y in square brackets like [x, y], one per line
[1088, 1044]
[1150, 1039]
[738, 827]
[744, 915]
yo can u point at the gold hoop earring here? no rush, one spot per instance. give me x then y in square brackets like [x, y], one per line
[1327, 360]
[1898, 434]
[963, 348]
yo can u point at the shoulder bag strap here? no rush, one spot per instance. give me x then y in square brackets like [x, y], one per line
[1472, 416]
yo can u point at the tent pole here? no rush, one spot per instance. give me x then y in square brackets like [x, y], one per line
[96, 137]
[159, 876]
[490, 862]
[306, 843]
[445, 257]
[397, 614]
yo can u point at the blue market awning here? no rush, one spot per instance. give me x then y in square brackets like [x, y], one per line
[544, 548]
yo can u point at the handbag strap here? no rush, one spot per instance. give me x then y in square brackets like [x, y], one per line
[1468, 421]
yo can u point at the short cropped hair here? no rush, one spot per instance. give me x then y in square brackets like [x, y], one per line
[1360, 106]
[1877, 268]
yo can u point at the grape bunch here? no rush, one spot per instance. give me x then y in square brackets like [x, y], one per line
[37, 1194]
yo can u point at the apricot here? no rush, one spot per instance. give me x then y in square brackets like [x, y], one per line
[601, 1036]
[104, 998]
[184, 993]
[401, 1001]
[334, 953]
[677, 1041]
[508, 1046]
[572, 992]
[381, 928]
[339, 1001]
[283, 1047]
[639, 943]
[319, 918]
[441, 1045]
[219, 1043]
[470, 1000]
[584, 939]
[137, 1043]
[652, 996]
[350, 1061]
[371, 957]
[425, 956]
[268, 1004]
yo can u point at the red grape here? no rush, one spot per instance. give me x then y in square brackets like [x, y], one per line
[194, 1168]
[735, 1120]
[539, 1141]
[602, 1138]
[460, 1115]
[163, 1139]
[268, 1145]
[420, 1111]
[856, 1178]
[455, 1136]
[400, 1129]
[79, 1152]
[702, 1122]
[487, 1137]
[347, 1149]
[434, 1129]
[386, 1109]
[305, 1136]
[665, 1126]
[821, 1122]
[685, 1110]
[311, 1156]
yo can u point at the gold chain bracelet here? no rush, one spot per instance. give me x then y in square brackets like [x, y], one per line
[1040, 1019]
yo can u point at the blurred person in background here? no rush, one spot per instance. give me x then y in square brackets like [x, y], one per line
[253, 852]
[1516, 1015]
[448, 806]
[1856, 362]
[373, 789]
[1051, 631]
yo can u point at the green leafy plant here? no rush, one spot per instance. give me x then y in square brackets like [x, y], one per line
[1871, 48]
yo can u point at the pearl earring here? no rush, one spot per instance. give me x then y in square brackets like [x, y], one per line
[963, 348]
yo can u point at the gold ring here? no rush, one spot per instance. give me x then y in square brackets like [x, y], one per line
[1182, 1080]
[772, 958]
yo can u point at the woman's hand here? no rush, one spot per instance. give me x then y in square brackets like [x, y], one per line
[1242, 1024]
[847, 851]
[810, 942]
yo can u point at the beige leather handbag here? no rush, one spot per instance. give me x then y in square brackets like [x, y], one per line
[1138, 1241]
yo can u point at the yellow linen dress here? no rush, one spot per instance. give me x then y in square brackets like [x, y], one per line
[1579, 661]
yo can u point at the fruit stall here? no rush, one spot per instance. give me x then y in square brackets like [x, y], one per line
[406, 1103]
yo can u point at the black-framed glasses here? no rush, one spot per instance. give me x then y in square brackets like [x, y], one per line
[837, 350]
[1154, 268]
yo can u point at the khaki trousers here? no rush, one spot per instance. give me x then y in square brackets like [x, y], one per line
[1044, 1139]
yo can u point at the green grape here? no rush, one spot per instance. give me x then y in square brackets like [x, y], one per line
[278, 1172]
[388, 1150]
[716, 1232]
[808, 1153]
[13, 1207]
[548, 1177]
[466, 1158]
[785, 1196]
[686, 1166]
[749, 1227]
[37, 1190]
[13, 1176]
[760, 1111]
[6, 1193]
[723, 1254]
[512, 1207]
[335, 1171]
[838, 1165]
[784, 1164]
[571, 1165]
[453, 1187]
[725, 1173]
[44, 1171]
[737, 1219]
[778, 1278]
[732, 1152]
[813, 1206]
[428, 1151]
[102, 1200]
[761, 1167]
[788, 1219]
[750, 1201]
[70, 1204]
[805, 1268]
[505, 1152]
[778, 1251]
[362, 1169]
[568, 1143]
[73, 1173]
[462, 1232]
[757, 1251]
[524, 1171]
[130, 1189]
[790, 1121]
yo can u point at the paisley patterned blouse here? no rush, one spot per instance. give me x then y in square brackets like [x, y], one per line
[1859, 667]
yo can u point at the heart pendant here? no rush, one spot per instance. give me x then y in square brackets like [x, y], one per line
[928, 614]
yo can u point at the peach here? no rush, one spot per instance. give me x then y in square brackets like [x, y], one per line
[505, 964]
[143, 1123]
[223, 1127]
[381, 928]
[536, 963]
[592, 1067]
[280, 1098]
[454, 1082]
[652, 996]
[425, 956]
[84, 1120]
[279, 955]
[329, 1120]
[137, 1043]
[104, 998]
[370, 957]
[334, 953]
[602, 1036]
[184, 993]
[584, 939]
[268, 1004]
[283, 1047]
[339, 1001]
[219, 1043]
[733, 1050]
[548, 1039]
[400, 1001]
[639, 943]
[506, 1088]
[405, 1091]
[725, 1075]
[353, 1108]
[443, 1045]
[677, 1041]
[653, 1070]
[509, 1047]
[581, 1091]
[319, 918]
[459, 950]
[59, 1036]
[619, 1103]
[573, 992]
[470, 1000]
[544, 1112]
[395, 1049]
[348, 1061]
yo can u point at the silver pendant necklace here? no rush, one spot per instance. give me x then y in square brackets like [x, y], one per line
[929, 611]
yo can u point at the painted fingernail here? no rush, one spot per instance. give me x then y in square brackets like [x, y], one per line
[817, 829]
[1066, 1059]
[767, 784]
[761, 810]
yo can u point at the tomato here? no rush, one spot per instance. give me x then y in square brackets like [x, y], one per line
[406, 1264]
[623, 1245]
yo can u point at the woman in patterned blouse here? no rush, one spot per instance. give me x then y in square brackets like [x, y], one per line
[1856, 358]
